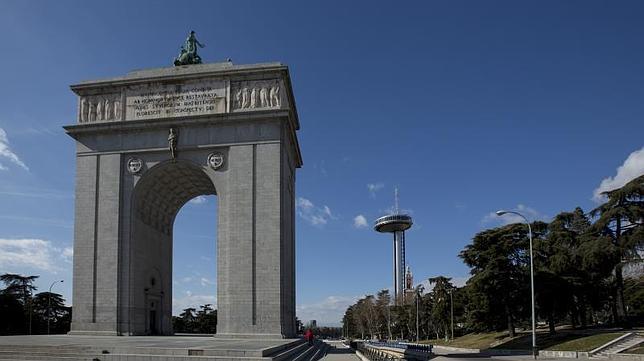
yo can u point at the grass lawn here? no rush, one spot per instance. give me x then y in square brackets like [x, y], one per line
[561, 341]
[586, 343]
[473, 340]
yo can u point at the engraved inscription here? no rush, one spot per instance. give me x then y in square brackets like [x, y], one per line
[176, 100]
[256, 95]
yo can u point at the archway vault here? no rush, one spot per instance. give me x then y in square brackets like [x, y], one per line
[165, 189]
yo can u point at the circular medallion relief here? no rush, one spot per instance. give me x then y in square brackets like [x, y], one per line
[215, 160]
[134, 165]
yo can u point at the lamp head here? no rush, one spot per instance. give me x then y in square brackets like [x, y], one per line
[501, 212]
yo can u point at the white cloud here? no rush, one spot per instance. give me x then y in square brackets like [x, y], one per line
[190, 300]
[67, 254]
[7, 153]
[360, 221]
[304, 203]
[327, 312]
[35, 192]
[632, 168]
[373, 188]
[206, 282]
[199, 200]
[63, 223]
[509, 218]
[317, 216]
[18, 254]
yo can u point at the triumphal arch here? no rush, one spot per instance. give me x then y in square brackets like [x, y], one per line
[150, 141]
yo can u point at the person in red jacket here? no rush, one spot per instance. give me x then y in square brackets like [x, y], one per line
[308, 336]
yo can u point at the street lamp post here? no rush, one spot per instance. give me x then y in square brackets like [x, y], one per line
[534, 329]
[451, 302]
[417, 327]
[49, 303]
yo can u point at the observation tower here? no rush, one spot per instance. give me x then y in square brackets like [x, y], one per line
[397, 224]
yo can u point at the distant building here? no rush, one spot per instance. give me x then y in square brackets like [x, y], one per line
[410, 290]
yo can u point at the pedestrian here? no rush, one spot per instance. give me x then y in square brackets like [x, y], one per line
[308, 336]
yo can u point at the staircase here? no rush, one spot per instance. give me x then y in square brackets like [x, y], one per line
[296, 351]
[617, 345]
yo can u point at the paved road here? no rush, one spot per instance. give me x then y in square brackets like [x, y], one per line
[340, 352]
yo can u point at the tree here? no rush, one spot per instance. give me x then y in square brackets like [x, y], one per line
[499, 286]
[440, 313]
[188, 320]
[365, 316]
[561, 280]
[51, 306]
[206, 319]
[349, 323]
[621, 223]
[20, 287]
[383, 310]
[12, 314]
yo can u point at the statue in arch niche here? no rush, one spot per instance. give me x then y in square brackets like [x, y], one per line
[172, 143]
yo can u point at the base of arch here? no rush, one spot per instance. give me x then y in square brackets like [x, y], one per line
[257, 336]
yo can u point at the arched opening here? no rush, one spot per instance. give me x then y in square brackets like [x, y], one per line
[158, 196]
[194, 261]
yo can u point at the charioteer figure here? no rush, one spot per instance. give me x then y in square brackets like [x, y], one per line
[188, 53]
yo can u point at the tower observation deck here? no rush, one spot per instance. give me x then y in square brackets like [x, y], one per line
[397, 224]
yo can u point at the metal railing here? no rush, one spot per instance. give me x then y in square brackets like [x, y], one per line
[388, 351]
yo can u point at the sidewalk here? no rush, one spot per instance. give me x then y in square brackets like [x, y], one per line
[340, 352]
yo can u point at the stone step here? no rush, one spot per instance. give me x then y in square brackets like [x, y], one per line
[290, 352]
[306, 354]
[320, 352]
[624, 345]
[30, 356]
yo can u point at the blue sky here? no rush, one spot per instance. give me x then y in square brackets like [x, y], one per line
[467, 107]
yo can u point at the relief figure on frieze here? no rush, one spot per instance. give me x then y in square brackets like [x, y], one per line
[92, 111]
[84, 110]
[256, 95]
[245, 98]
[253, 98]
[109, 111]
[99, 110]
[263, 97]
[238, 99]
[275, 95]
[117, 109]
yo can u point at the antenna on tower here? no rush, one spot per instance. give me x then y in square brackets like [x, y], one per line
[396, 200]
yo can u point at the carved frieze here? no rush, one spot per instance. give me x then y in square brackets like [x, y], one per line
[100, 108]
[189, 98]
[256, 95]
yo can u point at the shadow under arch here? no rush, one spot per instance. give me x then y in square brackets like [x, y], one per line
[157, 198]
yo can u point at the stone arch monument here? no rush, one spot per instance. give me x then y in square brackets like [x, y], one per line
[149, 142]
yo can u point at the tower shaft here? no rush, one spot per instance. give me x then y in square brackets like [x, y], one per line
[399, 266]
